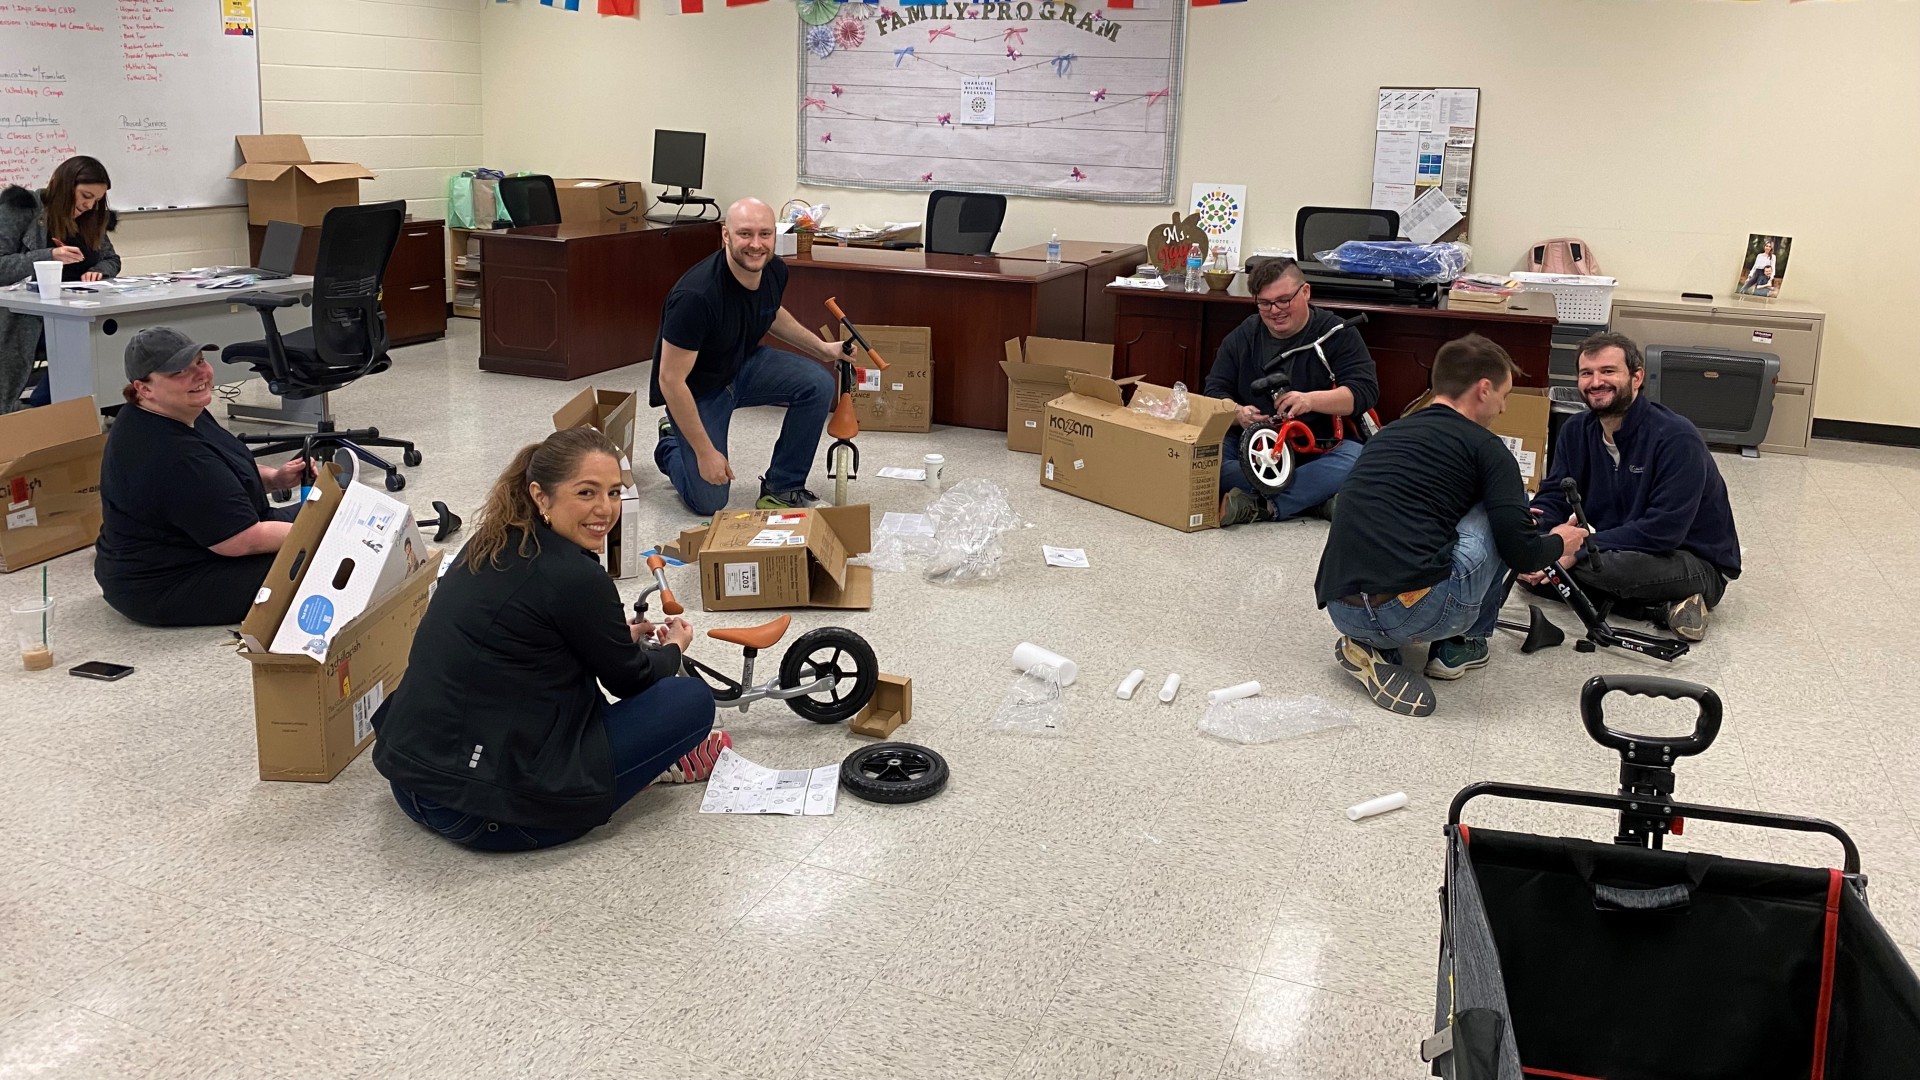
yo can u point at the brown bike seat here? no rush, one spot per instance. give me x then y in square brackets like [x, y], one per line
[763, 636]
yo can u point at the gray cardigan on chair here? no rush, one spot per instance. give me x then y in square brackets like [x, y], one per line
[23, 242]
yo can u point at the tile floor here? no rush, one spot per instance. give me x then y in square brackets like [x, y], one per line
[1132, 900]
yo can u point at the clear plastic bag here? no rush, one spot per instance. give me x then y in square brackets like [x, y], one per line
[968, 522]
[1402, 260]
[1167, 407]
[1033, 705]
[1254, 720]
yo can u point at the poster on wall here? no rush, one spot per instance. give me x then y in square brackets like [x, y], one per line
[1423, 140]
[1078, 103]
[1222, 209]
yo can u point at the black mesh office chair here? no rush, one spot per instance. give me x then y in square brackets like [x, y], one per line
[1323, 228]
[530, 200]
[347, 341]
[960, 223]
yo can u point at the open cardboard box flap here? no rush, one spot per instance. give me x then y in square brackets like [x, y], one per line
[1207, 418]
[31, 435]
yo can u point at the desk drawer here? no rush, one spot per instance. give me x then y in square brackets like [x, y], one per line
[415, 312]
[418, 256]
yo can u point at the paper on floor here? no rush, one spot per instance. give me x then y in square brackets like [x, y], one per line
[739, 786]
[1063, 556]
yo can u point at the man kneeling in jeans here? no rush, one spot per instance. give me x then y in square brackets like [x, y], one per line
[708, 362]
[1430, 518]
[1664, 545]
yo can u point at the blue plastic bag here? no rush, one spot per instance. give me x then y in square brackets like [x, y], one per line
[1402, 260]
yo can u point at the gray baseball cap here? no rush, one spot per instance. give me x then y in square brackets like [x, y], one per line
[161, 349]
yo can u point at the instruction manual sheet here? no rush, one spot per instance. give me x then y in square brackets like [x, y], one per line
[739, 786]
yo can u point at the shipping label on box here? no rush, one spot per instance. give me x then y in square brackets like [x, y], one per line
[786, 558]
[1036, 374]
[1162, 470]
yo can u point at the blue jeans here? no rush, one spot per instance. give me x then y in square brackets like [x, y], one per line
[1315, 479]
[647, 733]
[769, 377]
[1467, 603]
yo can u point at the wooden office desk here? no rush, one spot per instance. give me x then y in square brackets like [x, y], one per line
[973, 303]
[568, 301]
[1104, 262]
[1173, 334]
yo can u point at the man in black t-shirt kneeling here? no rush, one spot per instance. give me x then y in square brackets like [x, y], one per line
[1429, 520]
[709, 361]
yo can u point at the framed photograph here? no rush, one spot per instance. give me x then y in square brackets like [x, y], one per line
[1764, 270]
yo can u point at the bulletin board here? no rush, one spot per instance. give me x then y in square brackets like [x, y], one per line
[1037, 98]
[1423, 145]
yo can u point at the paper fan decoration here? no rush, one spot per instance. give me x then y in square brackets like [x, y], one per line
[848, 31]
[820, 41]
[819, 12]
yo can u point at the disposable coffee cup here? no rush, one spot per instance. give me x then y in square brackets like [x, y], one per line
[936, 466]
[33, 625]
[46, 275]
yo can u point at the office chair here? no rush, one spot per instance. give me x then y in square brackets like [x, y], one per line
[347, 341]
[530, 200]
[1323, 228]
[960, 223]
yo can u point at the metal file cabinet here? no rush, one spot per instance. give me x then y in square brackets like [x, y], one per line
[1789, 330]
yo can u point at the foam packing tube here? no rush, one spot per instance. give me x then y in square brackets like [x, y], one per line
[1230, 693]
[1027, 656]
[1129, 684]
[1170, 687]
[1377, 806]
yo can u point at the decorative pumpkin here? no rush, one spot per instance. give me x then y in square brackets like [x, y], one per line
[1168, 245]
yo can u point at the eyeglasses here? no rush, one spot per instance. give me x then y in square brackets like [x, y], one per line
[1275, 305]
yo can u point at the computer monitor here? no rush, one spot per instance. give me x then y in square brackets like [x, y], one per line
[679, 160]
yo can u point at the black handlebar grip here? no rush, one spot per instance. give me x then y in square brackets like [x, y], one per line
[1706, 726]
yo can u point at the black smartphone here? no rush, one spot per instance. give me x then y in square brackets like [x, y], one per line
[100, 669]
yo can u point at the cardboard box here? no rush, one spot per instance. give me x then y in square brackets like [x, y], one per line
[1037, 375]
[892, 706]
[50, 471]
[1523, 427]
[621, 555]
[612, 412]
[587, 199]
[1162, 470]
[787, 558]
[284, 183]
[313, 717]
[686, 547]
[901, 397]
[370, 545]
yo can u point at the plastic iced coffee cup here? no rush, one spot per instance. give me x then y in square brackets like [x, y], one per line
[33, 625]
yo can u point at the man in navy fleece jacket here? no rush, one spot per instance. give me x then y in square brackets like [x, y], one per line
[1664, 545]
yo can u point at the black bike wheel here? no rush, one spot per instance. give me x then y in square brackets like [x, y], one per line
[893, 772]
[1266, 459]
[835, 651]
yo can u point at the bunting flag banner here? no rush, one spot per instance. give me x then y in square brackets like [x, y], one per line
[743, 3]
[1213, 3]
[619, 7]
[687, 7]
[570, 5]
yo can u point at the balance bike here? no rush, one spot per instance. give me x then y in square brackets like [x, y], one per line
[1270, 449]
[827, 675]
[843, 458]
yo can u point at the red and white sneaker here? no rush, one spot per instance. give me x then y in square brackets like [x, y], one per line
[697, 764]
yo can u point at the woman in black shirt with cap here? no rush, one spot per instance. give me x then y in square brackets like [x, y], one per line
[186, 535]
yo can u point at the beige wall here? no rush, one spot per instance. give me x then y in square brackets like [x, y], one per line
[392, 84]
[1661, 132]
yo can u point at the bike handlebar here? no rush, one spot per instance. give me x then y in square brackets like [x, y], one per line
[854, 335]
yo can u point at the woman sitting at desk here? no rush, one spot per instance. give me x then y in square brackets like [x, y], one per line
[67, 223]
[186, 535]
[499, 738]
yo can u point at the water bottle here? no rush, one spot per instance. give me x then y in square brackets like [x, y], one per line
[1195, 260]
[1053, 248]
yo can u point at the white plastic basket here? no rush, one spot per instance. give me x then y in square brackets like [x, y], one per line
[1577, 298]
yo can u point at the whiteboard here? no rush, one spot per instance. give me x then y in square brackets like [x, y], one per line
[156, 89]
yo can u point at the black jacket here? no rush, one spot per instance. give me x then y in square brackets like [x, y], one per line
[1247, 347]
[499, 714]
[1665, 495]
